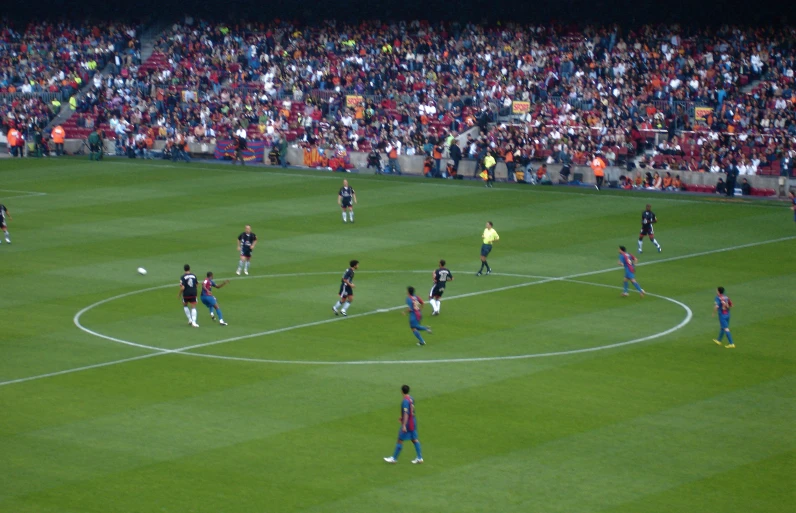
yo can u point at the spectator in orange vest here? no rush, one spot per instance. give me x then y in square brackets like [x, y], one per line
[437, 153]
[58, 135]
[510, 164]
[15, 142]
[392, 155]
[667, 182]
[598, 167]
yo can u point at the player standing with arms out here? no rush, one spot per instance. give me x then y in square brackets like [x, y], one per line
[408, 429]
[441, 277]
[628, 261]
[722, 307]
[345, 198]
[188, 285]
[648, 218]
[415, 311]
[490, 237]
[209, 300]
[346, 289]
[5, 217]
[246, 242]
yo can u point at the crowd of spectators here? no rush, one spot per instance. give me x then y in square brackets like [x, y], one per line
[60, 57]
[625, 94]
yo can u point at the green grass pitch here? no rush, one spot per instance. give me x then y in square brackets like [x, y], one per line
[540, 390]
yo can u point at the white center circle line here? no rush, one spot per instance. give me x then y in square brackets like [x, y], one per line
[189, 350]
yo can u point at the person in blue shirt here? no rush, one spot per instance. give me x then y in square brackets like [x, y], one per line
[408, 429]
[209, 300]
[415, 307]
[628, 261]
[722, 307]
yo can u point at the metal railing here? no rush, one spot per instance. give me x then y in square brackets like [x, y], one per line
[47, 96]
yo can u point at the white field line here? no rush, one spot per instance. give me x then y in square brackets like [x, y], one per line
[24, 194]
[188, 348]
[78, 369]
[688, 316]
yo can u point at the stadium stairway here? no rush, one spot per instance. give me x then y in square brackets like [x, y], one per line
[67, 118]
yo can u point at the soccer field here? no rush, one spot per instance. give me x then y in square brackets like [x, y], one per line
[540, 389]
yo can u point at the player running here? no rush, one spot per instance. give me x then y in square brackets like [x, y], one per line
[415, 311]
[188, 284]
[5, 217]
[647, 220]
[246, 242]
[490, 237]
[441, 277]
[209, 300]
[628, 261]
[345, 198]
[346, 292]
[722, 307]
[408, 429]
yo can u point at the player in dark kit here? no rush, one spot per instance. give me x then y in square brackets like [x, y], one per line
[5, 217]
[246, 242]
[346, 292]
[647, 220]
[188, 284]
[346, 199]
[441, 277]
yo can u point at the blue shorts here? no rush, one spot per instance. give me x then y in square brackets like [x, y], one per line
[485, 249]
[629, 275]
[209, 301]
[724, 321]
[409, 435]
[414, 322]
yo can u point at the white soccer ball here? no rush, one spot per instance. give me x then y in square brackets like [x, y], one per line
[141, 271]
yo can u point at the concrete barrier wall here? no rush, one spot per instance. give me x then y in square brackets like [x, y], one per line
[413, 165]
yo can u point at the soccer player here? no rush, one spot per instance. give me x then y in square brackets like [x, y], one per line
[628, 261]
[490, 237]
[5, 217]
[722, 306]
[188, 294]
[209, 300]
[408, 429]
[346, 292]
[648, 218]
[415, 311]
[345, 198]
[246, 242]
[441, 276]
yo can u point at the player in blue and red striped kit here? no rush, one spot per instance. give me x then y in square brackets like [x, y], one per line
[209, 300]
[415, 305]
[628, 261]
[408, 429]
[722, 307]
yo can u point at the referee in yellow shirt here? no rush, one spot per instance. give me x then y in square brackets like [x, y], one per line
[490, 237]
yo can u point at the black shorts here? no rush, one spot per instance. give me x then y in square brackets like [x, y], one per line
[246, 252]
[188, 299]
[647, 230]
[345, 291]
[486, 249]
[94, 147]
[2, 225]
[345, 203]
[437, 290]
